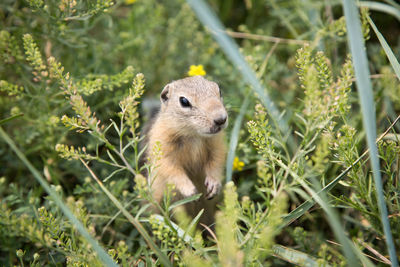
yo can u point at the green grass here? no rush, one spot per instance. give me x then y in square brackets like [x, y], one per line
[105, 258]
[364, 86]
[71, 192]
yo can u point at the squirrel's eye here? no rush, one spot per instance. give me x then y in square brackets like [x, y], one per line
[184, 102]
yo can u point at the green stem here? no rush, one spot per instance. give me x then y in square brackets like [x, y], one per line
[162, 257]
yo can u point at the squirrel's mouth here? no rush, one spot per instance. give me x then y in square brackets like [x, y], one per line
[215, 129]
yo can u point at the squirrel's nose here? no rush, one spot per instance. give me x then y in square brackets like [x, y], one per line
[221, 120]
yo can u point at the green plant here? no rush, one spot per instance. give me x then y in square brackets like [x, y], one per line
[73, 123]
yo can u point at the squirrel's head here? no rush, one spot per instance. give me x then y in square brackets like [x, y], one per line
[194, 106]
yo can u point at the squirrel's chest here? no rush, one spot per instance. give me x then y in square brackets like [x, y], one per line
[193, 155]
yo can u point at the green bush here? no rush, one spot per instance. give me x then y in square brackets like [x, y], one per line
[73, 75]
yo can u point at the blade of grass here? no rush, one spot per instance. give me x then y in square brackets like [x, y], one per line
[360, 63]
[305, 206]
[349, 250]
[393, 3]
[252, 36]
[238, 122]
[193, 223]
[393, 61]
[11, 118]
[104, 257]
[230, 48]
[163, 258]
[381, 7]
[382, 258]
[184, 201]
[235, 138]
[389, 53]
[296, 257]
[390, 110]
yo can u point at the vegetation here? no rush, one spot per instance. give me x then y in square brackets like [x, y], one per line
[304, 184]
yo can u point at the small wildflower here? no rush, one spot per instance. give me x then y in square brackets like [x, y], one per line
[11, 89]
[33, 55]
[237, 164]
[196, 70]
[53, 120]
[58, 188]
[130, 2]
[20, 253]
[112, 253]
[36, 256]
[246, 202]
[15, 111]
[121, 243]
[67, 5]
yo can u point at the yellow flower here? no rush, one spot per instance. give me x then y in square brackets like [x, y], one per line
[237, 164]
[130, 2]
[196, 70]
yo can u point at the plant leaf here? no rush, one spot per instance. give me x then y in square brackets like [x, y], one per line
[235, 138]
[11, 118]
[184, 201]
[381, 7]
[389, 53]
[363, 81]
[296, 257]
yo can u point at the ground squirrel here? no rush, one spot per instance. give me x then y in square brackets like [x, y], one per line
[189, 129]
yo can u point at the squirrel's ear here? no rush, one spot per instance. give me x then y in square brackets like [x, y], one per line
[165, 94]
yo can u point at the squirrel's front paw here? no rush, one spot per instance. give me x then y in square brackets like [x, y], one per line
[213, 187]
[188, 190]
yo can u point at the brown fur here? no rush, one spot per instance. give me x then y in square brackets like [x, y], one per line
[192, 144]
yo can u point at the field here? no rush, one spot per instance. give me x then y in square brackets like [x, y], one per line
[313, 95]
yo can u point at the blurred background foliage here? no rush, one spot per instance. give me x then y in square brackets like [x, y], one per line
[104, 44]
